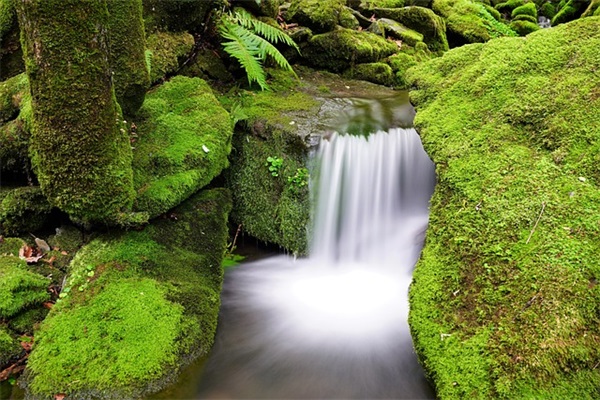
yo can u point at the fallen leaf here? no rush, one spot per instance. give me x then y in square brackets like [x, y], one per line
[51, 260]
[64, 253]
[48, 305]
[42, 245]
[29, 254]
[59, 396]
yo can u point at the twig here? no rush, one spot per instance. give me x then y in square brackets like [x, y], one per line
[536, 222]
[239, 229]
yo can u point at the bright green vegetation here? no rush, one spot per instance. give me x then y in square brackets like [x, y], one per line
[273, 208]
[127, 44]
[137, 306]
[19, 287]
[422, 20]
[380, 73]
[182, 141]
[470, 22]
[592, 10]
[523, 26]
[319, 16]
[251, 43]
[23, 209]
[166, 50]
[505, 300]
[571, 10]
[509, 5]
[369, 4]
[80, 153]
[525, 9]
[343, 48]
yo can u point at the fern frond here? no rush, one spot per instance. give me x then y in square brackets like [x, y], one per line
[245, 47]
[267, 49]
[271, 33]
[148, 58]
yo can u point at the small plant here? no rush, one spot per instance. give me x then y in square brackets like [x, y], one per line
[250, 41]
[299, 179]
[274, 164]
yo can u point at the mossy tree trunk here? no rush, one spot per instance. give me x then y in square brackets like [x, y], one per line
[80, 149]
[127, 57]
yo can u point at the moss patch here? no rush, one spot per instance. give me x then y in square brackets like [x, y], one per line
[320, 16]
[181, 143]
[504, 301]
[342, 48]
[137, 306]
[23, 209]
[9, 347]
[19, 287]
[166, 51]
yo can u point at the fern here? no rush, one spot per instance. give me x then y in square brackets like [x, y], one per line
[148, 58]
[244, 44]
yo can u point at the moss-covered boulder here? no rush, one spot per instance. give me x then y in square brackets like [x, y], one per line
[20, 287]
[422, 20]
[80, 152]
[398, 31]
[380, 73]
[592, 10]
[23, 209]
[570, 11]
[182, 139]
[320, 16]
[469, 22]
[523, 26]
[127, 58]
[15, 125]
[11, 55]
[342, 48]
[504, 301]
[9, 347]
[167, 51]
[137, 307]
[177, 15]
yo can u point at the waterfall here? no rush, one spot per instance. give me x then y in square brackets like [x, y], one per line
[334, 324]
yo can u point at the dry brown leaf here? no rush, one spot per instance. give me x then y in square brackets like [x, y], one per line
[59, 396]
[29, 254]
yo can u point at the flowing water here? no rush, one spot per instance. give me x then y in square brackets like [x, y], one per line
[334, 325]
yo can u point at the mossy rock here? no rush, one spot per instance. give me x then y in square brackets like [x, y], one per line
[182, 142]
[380, 73]
[592, 10]
[12, 93]
[504, 300]
[548, 10]
[469, 22]
[266, 8]
[508, 6]
[9, 347]
[422, 20]
[208, 67]
[20, 288]
[571, 10]
[524, 27]
[371, 4]
[136, 308]
[401, 63]
[177, 15]
[15, 126]
[167, 51]
[24, 209]
[10, 246]
[11, 56]
[525, 9]
[319, 16]
[26, 321]
[397, 30]
[340, 49]
[528, 18]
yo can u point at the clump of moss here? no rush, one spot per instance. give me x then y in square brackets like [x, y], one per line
[548, 10]
[25, 322]
[380, 73]
[10, 246]
[508, 6]
[20, 288]
[524, 26]
[504, 301]
[422, 20]
[469, 22]
[342, 48]
[320, 16]
[183, 137]
[525, 9]
[137, 306]
[24, 209]
[127, 58]
[15, 125]
[167, 50]
[11, 56]
[9, 347]
[399, 31]
[80, 153]
[571, 10]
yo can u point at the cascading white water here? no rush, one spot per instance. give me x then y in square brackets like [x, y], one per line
[334, 325]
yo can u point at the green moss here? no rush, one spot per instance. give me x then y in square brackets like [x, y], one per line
[422, 20]
[167, 50]
[26, 321]
[7, 17]
[509, 5]
[526, 9]
[11, 56]
[400, 63]
[399, 31]
[177, 15]
[469, 22]
[137, 306]
[182, 142]
[528, 18]
[127, 59]
[370, 4]
[347, 19]
[592, 9]
[19, 287]
[12, 92]
[15, 124]
[9, 347]
[342, 48]
[504, 301]
[67, 238]
[320, 16]
[23, 209]
[548, 10]
[81, 157]
[10, 246]
[380, 73]
[570, 11]
[524, 27]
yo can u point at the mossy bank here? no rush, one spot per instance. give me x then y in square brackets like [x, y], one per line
[505, 301]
